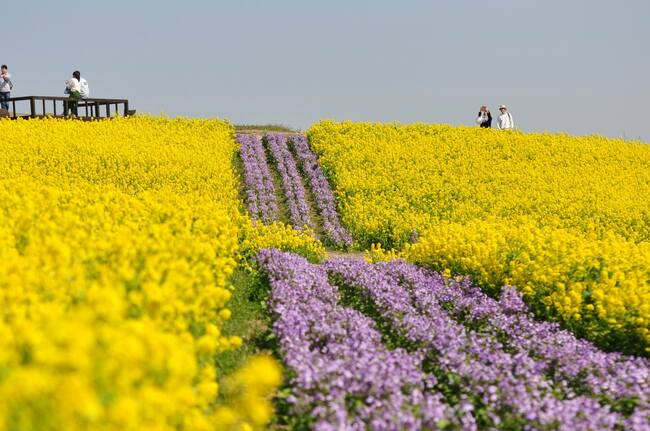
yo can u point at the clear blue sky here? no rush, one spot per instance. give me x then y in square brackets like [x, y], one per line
[576, 66]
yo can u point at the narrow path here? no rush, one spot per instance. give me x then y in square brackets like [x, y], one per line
[348, 255]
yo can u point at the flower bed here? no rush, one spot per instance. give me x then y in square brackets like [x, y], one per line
[342, 375]
[260, 191]
[507, 388]
[320, 188]
[291, 181]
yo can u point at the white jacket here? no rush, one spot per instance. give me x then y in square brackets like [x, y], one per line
[505, 122]
[5, 83]
[72, 84]
[84, 90]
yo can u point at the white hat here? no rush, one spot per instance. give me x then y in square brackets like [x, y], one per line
[503, 107]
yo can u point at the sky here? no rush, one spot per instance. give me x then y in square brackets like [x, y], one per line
[581, 67]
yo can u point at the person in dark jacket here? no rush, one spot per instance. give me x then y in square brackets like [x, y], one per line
[484, 118]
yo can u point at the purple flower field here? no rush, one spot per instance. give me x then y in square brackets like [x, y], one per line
[394, 346]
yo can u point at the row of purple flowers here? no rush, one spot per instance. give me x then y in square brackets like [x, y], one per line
[463, 359]
[520, 372]
[342, 375]
[323, 196]
[261, 195]
[291, 180]
[260, 191]
[615, 379]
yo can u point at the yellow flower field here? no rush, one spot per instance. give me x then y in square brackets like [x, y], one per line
[117, 239]
[566, 219]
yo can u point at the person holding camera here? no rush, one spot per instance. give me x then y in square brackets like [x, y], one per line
[484, 118]
[5, 86]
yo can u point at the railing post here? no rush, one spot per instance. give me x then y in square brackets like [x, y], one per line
[43, 107]
[108, 110]
[97, 110]
[54, 107]
[126, 108]
[32, 106]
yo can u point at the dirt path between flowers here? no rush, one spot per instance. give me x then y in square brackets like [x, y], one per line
[349, 255]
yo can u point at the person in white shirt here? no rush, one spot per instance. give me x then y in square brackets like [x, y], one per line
[504, 122]
[79, 84]
[77, 88]
[73, 89]
[84, 90]
[5, 86]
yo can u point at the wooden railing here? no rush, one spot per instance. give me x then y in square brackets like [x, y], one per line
[88, 109]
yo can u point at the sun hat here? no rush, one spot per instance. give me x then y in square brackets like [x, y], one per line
[503, 107]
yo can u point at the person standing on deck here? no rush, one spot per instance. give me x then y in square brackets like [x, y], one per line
[77, 88]
[84, 90]
[5, 86]
[73, 89]
[504, 122]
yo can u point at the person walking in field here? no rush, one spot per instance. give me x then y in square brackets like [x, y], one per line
[504, 122]
[484, 118]
[5, 86]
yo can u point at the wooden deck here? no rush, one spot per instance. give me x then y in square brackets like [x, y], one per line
[61, 107]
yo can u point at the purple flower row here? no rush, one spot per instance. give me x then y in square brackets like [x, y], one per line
[260, 191]
[323, 196]
[611, 377]
[291, 180]
[343, 375]
[508, 386]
